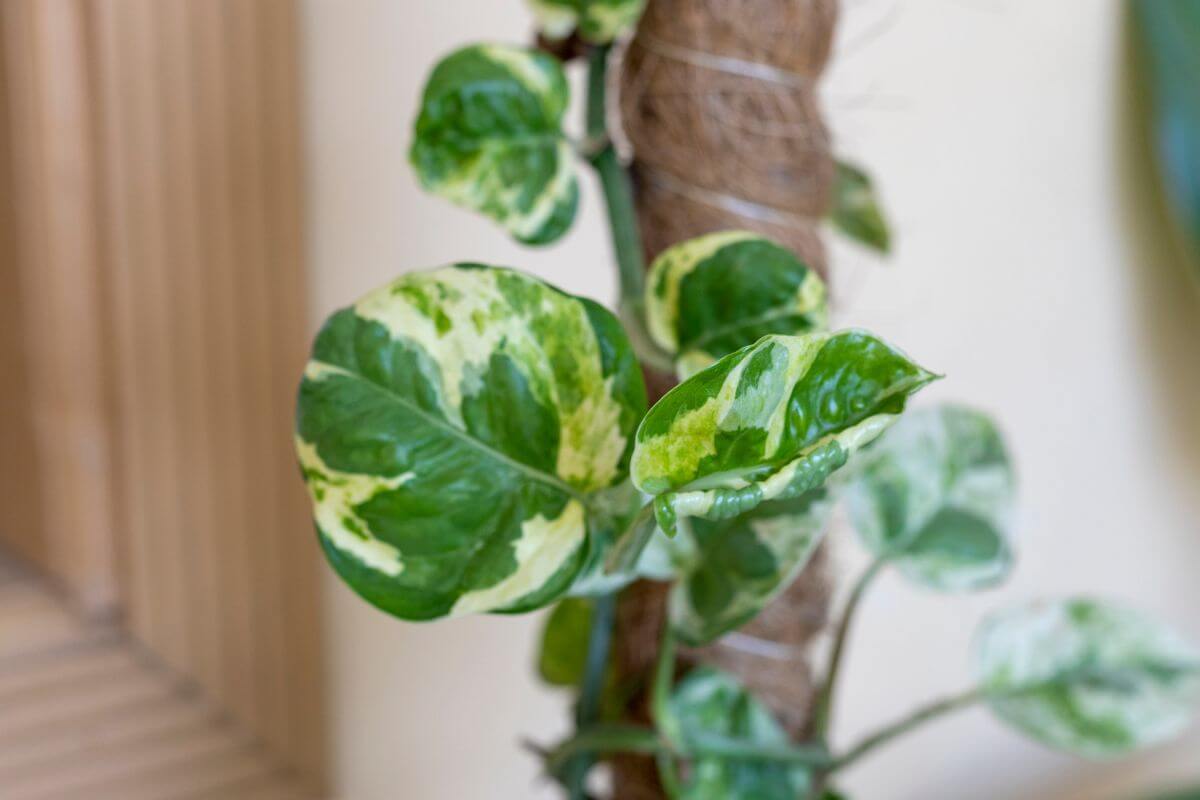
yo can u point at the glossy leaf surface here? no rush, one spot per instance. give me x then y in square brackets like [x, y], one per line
[1087, 676]
[770, 421]
[452, 427]
[710, 296]
[934, 495]
[736, 566]
[710, 703]
[597, 21]
[489, 138]
[856, 210]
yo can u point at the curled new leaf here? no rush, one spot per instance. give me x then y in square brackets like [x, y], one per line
[734, 567]
[452, 427]
[709, 296]
[1085, 676]
[598, 21]
[934, 496]
[856, 211]
[712, 704]
[489, 137]
[770, 421]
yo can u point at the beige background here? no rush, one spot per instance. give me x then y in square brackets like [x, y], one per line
[1031, 269]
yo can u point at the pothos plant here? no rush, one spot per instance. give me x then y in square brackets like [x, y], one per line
[477, 440]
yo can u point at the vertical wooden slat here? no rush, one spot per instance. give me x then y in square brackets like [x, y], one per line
[20, 522]
[283, 156]
[58, 287]
[191, 361]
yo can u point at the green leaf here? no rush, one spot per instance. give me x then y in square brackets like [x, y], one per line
[770, 421]
[489, 138]
[598, 21]
[710, 296]
[1169, 41]
[565, 642]
[856, 212]
[710, 703]
[934, 495]
[737, 566]
[452, 427]
[1087, 676]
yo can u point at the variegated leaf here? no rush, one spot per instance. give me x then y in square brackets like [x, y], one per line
[452, 427]
[856, 211]
[711, 703]
[598, 21]
[736, 566]
[770, 421]
[709, 296]
[934, 496]
[1087, 676]
[489, 137]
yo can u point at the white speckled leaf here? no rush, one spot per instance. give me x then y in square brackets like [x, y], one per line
[733, 568]
[715, 294]
[1087, 676]
[768, 422]
[489, 137]
[934, 495]
[598, 21]
[453, 428]
[711, 703]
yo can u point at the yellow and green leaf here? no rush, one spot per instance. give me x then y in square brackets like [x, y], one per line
[489, 138]
[597, 21]
[771, 421]
[732, 568]
[453, 427]
[715, 294]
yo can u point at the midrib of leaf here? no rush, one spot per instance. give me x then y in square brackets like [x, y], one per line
[483, 447]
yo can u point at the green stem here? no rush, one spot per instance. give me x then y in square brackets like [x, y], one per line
[595, 668]
[823, 713]
[618, 191]
[905, 724]
[664, 679]
[600, 739]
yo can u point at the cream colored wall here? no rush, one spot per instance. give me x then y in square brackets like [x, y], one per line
[1030, 269]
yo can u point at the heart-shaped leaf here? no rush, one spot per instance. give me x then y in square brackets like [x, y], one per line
[489, 137]
[1087, 676]
[710, 703]
[769, 421]
[452, 427]
[934, 495]
[709, 296]
[856, 211]
[735, 567]
[598, 21]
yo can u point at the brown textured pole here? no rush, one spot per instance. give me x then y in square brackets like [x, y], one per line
[718, 99]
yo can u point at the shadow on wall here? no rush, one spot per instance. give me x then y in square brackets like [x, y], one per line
[1167, 295]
